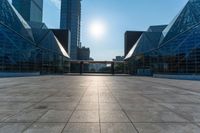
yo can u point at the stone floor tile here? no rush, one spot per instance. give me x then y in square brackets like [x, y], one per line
[143, 107]
[56, 106]
[5, 114]
[117, 128]
[167, 128]
[15, 106]
[26, 116]
[88, 107]
[55, 116]
[82, 128]
[155, 105]
[45, 128]
[113, 116]
[191, 116]
[61, 99]
[155, 116]
[107, 100]
[109, 106]
[85, 116]
[13, 127]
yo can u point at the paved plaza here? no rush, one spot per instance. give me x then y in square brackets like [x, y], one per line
[99, 104]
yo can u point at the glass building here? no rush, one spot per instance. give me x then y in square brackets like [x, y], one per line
[28, 47]
[31, 10]
[70, 19]
[171, 49]
[130, 38]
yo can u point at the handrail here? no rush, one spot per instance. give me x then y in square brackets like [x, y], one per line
[89, 61]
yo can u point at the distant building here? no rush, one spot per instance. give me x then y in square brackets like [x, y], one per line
[91, 59]
[70, 19]
[31, 10]
[119, 58]
[130, 39]
[64, 37]
[97, 67]
[83, 53]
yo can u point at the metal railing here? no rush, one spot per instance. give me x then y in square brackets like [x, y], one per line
[86, 66]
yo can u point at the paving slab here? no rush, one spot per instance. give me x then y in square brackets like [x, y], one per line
[88, 107]
[82, 128]
[56, 116]
[113, 116]
[85, 116]
[99, 104]
[155, 116]
[117, 128]
[167, 128]
[13, 127]
[45, 128]
[26, 116]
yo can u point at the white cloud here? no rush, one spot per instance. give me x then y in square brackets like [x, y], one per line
[56, 3]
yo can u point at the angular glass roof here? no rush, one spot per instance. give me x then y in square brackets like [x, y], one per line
[156, 28]
[130, 53]
[25, 24]
[39, 30]
[61, 48]
[20, 48]
[186, 19]
[46, 39]
[148, 41]
[12, 19]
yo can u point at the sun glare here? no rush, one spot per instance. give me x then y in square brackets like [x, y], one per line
[97, 29]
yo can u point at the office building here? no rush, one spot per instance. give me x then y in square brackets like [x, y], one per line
[171, 50]
[70, 19]
[84, 53]
[119, 58]
[30, 10]
[26, 48]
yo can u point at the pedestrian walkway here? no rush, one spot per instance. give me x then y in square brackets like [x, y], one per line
[99, 104]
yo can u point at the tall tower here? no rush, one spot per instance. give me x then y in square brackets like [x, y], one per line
[31, 10]
[71, 19]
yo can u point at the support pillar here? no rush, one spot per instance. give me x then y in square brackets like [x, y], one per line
[113, 68]
[81, 67]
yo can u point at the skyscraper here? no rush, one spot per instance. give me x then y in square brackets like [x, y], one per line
[31, 10]
[70, 19]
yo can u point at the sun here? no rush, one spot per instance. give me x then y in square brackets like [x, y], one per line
[97, 29]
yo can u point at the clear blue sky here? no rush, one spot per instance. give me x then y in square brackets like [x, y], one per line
[119, 16]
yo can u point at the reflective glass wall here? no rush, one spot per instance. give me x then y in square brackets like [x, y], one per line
[28, 48]
[180, 55]
[175, 49]
[20, 55]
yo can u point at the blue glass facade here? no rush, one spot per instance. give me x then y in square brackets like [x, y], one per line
[31, 10]
[70, 19]
[171, 50]
[25, 47]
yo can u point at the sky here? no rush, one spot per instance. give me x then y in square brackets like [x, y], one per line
[117, 16]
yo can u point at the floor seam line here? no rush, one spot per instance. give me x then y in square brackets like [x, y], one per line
[122, 109]
[74, 110]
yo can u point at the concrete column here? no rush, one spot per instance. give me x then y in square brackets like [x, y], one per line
[81, 67]
[113, 68]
